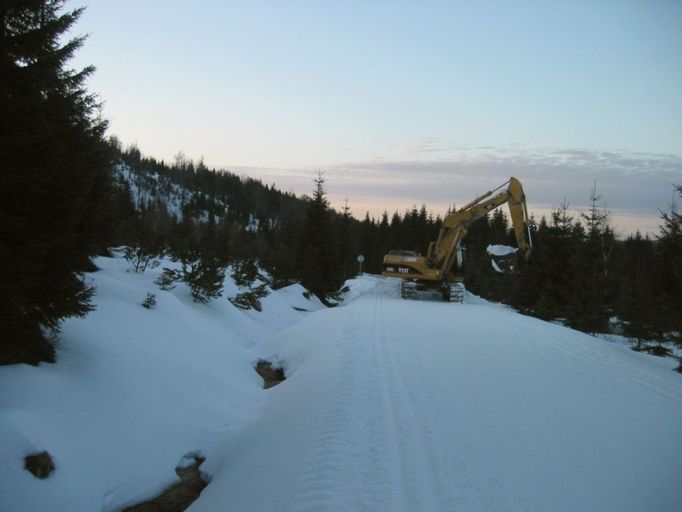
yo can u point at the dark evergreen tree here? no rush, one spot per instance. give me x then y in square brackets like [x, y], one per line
[146, 241]
[589, 310]
[245, 272]
[669, 269]
[383, 238]
[282, 258]
[123, 207]
[639, 304]
[320, 269]
[551, 274]
[54, 178]
[204, 276]
[369, 246]
[395, 230]
[348, 249]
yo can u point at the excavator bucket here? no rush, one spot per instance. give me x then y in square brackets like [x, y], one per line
[503, 258]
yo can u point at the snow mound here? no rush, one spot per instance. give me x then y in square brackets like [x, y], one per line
[286, 306]
[501, 250]
[134, 391]
[367, 283]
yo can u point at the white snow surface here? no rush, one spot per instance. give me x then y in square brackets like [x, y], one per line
[388, 405]
[133, 391]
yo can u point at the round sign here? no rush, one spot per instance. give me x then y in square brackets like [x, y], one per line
[361, 258]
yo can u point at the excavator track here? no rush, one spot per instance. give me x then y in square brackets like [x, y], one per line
[408, 289]
[456, 292]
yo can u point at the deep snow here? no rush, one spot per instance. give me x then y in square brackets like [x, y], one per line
[133, 391]
[388, 405]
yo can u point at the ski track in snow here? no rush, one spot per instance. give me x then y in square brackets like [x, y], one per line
[369, 420]
[416, 466]
[429, 406]
[630, 372]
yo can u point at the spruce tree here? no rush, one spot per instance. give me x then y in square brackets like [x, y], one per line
[369, 247]
[669, 267]
[54, 178]
[320, 269]
[590, 311]
[348, 250]
[639, 304]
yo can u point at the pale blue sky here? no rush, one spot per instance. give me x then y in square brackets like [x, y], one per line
[381, 93]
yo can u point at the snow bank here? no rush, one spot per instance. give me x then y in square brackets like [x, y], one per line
[286, 306]
[364, 284]
[133, 391]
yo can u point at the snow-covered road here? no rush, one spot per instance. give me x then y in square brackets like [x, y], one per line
[425, 406]
[389, 405]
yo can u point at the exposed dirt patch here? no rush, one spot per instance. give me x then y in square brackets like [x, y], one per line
[271, 376]
[177, 497]
[40, 464]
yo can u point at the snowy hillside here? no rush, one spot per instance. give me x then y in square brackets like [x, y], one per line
[388, 405]
[152, 190]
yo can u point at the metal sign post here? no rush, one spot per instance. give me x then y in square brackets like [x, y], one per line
[361, 258]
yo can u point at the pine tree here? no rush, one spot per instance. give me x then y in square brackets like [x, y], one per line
[590, 309]
[669, 267]
[347, 244]
[320, 270]
[281, 260]
[638, 304]
[145, 244]
[205, 278]
[55, 178]
[369, 245]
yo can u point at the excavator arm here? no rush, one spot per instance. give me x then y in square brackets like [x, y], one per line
[442, 253]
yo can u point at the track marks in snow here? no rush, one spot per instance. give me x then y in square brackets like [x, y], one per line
[616, 367]
[424, 406]
[366, 449]
[415, 469]
[344, 466]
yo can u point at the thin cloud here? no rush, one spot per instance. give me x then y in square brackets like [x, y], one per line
[634, 186]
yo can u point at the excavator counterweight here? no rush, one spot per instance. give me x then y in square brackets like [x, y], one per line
[439, 269]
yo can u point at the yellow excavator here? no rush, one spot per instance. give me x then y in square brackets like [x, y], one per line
[434, 272]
